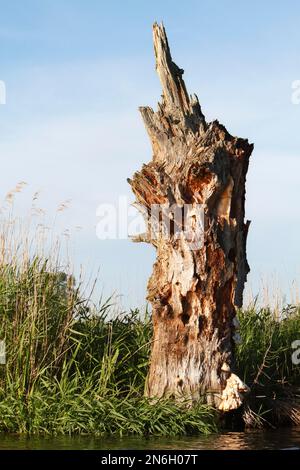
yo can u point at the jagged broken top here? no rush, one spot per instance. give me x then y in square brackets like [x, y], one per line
[174, 89]
[178, 114]
[178, 129]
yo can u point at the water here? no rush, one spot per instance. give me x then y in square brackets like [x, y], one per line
[284, 438]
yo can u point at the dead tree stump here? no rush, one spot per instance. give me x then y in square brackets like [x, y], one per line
[195, 287]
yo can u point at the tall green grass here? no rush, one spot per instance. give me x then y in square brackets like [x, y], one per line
[264, 360]
[264, 355]
[72, 368]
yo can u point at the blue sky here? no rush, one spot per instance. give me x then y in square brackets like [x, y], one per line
[76, 72]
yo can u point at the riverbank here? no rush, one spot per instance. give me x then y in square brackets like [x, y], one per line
[73, 367]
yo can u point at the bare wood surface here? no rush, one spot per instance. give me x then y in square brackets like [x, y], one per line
[194, 292]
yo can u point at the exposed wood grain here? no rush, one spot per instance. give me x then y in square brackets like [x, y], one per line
[194, 291]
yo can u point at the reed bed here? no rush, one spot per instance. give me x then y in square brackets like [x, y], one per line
[264, 360]
[72, 366]
[76, 367]
[70, 369]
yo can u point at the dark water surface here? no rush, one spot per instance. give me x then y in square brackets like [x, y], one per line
[284, 438]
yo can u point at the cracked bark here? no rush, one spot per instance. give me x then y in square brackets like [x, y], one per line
[194, 292]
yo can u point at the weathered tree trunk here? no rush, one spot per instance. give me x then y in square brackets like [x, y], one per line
[195, 287]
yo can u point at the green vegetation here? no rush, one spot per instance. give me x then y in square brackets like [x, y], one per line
[75, 367]
[72, 368]
[264, 360]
